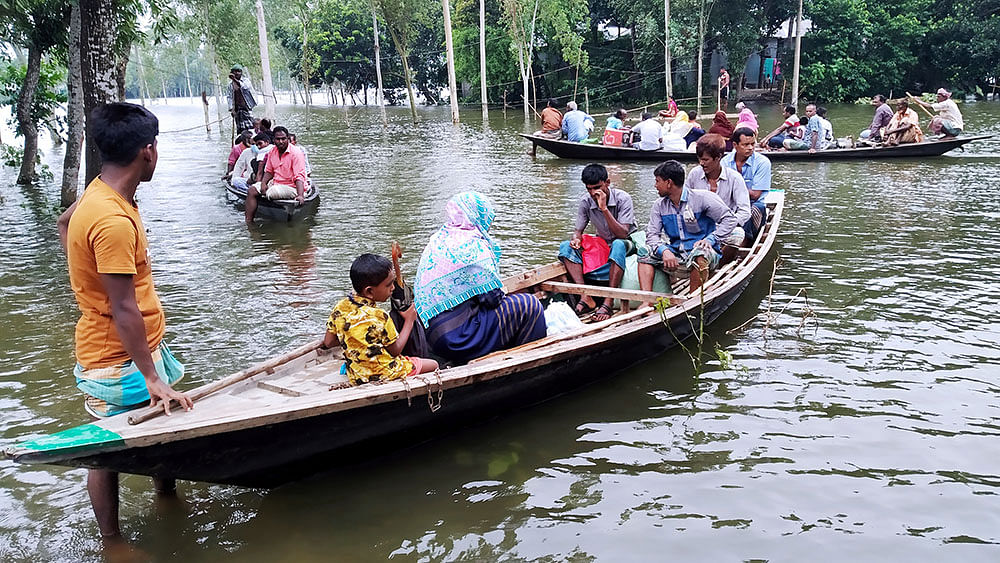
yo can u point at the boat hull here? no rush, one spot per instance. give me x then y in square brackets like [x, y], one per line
[277, 211]
[600, 153]
[268, 456]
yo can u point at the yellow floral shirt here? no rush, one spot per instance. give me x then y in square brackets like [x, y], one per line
[364, 331]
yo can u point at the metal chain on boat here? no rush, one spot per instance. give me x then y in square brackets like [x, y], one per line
[440, 392]
[409, 392]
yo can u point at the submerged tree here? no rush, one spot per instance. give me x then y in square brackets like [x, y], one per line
[400, 20]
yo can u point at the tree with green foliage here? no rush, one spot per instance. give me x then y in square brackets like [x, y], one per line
[400, 17]
[38, 26]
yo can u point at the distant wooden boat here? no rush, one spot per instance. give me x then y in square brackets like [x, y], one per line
[294, 415]
[278, 210]
[603, 153]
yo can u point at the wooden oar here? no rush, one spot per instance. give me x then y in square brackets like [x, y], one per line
[927, 111]
[149, 413]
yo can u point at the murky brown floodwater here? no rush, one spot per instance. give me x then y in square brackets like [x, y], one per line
[874, 433]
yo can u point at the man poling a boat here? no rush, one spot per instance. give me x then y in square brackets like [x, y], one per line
[122, 361]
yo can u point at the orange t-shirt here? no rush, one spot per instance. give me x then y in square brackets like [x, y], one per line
[106, 236]
[551, 119]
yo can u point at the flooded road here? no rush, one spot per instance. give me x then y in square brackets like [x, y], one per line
[872, 429]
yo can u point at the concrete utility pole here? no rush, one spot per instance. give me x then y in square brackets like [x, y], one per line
[798, 53]
[450, 56]
[265, 63]
[482, 59]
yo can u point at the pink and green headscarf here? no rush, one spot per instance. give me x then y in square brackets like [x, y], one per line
[461, 260]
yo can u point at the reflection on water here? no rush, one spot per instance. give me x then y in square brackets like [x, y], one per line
[872, 429]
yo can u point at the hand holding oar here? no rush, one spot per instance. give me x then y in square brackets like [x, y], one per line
[921, 103]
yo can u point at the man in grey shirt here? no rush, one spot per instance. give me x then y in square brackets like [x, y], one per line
[611, 213]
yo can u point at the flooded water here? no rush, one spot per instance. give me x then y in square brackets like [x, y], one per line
[869, 429]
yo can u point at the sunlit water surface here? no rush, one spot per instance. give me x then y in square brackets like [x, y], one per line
[868, 431]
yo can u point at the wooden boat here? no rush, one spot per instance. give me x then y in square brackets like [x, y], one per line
[603, 153]
[278, 210]
[295, 414]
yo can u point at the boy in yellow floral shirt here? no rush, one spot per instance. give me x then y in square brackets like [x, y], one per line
[366, 333]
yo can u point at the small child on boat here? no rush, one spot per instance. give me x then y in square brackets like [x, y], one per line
[367, 335]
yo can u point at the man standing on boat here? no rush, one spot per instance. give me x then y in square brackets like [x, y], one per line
[723, 89]
[122, 361]
[611, 212]
[241, 100]
[756, 171]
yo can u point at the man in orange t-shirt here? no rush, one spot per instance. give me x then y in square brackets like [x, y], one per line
[551, 123]
[122, 361]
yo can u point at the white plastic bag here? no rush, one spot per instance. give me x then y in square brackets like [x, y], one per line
[559, 318]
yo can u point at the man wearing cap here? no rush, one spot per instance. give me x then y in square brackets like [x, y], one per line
[949, 119]
[241, 101]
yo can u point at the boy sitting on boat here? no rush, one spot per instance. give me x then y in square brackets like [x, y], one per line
[685, 229]
[366, 333]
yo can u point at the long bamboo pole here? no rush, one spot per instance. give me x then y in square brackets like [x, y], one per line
[798, 55]
[378, 71]
[482, 59]
[450, 59]
[666, 49]
[265, 63]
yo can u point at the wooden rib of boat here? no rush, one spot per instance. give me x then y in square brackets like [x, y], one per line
[294, 415]
[601, 153]
[278, 210]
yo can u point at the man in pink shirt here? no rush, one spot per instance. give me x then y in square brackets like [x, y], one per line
[284, 174]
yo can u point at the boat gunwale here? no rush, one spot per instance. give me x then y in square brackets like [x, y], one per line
[631, 153]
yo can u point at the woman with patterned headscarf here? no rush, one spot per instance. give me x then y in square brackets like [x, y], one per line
[459, 295]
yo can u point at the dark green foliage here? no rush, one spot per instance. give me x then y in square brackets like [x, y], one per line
[49, 95]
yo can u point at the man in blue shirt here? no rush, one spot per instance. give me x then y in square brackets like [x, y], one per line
[685, 229]
[576, 124]
[756, 171]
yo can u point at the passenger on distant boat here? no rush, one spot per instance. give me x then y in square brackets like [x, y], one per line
[576, 124]
[775, 139]
[239, 93]
[756, 171]
[372, 347]
[796, 135]
[649, 132]
[617, 121]
[551, 121]
[725, 182]
[248, 165]
[695, 132]
[904, 127]
[723, 88]
[722, 126]
[284, 175]
[459, 295]
[746, 118]
[600, 257]
[671, 110]
[949, 119]
[684, 230]
[883, 114]
[295, 143]
[674, 133]
[243, 142]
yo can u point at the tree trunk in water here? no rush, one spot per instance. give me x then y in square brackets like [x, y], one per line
[482, 59]
[450, 58]
[29, 129]
[213, 60]
[97, 28]
[74, 114]
[265, 63]
[142, 77]
[409, 87]
[187, 76]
